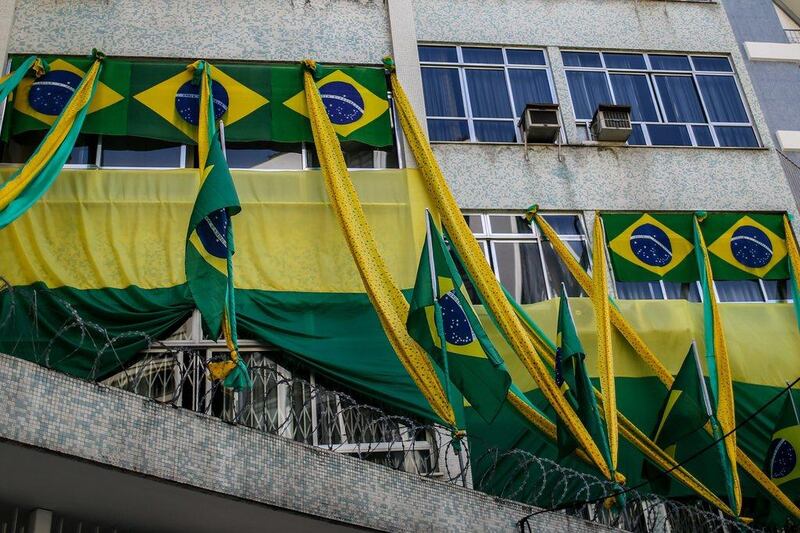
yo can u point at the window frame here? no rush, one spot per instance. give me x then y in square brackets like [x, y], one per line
[650, 74]
[461, 67]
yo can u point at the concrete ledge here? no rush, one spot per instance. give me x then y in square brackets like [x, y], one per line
[111, 427]
[789, 141]
[787, 53]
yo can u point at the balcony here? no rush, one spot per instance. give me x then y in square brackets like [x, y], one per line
[793, 36]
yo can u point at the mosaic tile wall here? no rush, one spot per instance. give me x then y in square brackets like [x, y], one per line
[108, 426]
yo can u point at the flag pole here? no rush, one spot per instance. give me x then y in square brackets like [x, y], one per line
[222, 139]
[706, 398]
[439, 320]
[791, 399]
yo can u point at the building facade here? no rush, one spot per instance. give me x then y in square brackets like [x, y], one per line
[709, 113]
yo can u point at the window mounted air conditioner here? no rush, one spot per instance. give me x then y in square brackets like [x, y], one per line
[540, 123]
[612, 123]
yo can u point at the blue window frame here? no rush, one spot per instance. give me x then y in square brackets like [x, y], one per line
[475, 93]
[676, 100]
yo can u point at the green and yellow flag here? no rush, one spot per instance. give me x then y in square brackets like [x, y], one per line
[355, 99]
[573, 379]
[649, 247]
[746, 246]
[69, 106]
[209, 239]
[442, 321]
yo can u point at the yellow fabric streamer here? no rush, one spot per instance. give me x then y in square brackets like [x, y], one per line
[641, 348]
[55, 138]
[605, 354]
[483, 276]
[725, 401]
[390, 304]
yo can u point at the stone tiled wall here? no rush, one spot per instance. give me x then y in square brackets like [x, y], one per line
[111, 427]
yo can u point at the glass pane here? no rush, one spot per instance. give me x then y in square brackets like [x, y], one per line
[722, 99]
[448, 130]
[356, 155]
[500, 131]
[680, 99]
[682, 291]
[637, 136]
[634, 90]
[482, 55]
[525, 57]
[473, 294]
[136, 152]
[21, 147]
[588, 89]
[639, 290]
[777, 289]
[529, 86]
[520, 269]
[663, 62]
[509, 225]
[262, 155]
[488, 93]
[718, 64]
[624, 60]
[441, 54]
[581, 59]
[668, 135]
[557, 272]
[741, 136]
[84, 152]
[475, 223]
[565, 224]
[746, 290]
[442, 90]
[702, 135]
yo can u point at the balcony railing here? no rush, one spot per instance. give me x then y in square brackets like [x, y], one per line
[793, 36]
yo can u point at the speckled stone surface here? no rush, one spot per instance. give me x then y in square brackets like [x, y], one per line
[347, 31]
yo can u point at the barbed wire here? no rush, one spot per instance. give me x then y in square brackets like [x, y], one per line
[302, 406]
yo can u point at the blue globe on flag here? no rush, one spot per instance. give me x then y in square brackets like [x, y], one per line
[343, 102]
[782, 458]
[50, 93]
[213, 231]
[651, 245]
[457, 329]
[187, 101]
[751, 247]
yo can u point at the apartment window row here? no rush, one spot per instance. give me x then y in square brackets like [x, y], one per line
[528, 267]
[133, 152]
[676, 100]
[477, 94]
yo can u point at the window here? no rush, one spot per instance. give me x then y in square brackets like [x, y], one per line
[525, 262]
[676, 100]
[478, 93]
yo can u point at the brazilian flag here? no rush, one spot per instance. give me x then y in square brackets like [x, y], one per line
[209, 239]
[474, 366]
[684, 413]
[573, 378]
[355, 98]
[38, 101]
[651, 246]
[746, 246]
[164, 103]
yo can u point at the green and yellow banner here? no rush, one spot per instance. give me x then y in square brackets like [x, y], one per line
[157, 100]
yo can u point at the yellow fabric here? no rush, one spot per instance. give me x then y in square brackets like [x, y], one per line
[115, 228]
[725, 401]
[794, 254]
[659, 370]
[605, 353]
[56, 136]
[483, 276]
[390, 304]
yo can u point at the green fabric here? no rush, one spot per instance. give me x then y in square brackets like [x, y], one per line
[676, 227]
[51, 169]
[764, 241]
[260, 91]
[474, 366]
[18, 72]
[572, 377]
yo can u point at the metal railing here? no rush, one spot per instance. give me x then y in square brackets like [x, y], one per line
[792, 171]
[793, 36]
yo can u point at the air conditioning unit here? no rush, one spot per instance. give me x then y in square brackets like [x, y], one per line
[611, 123]
[540, 123]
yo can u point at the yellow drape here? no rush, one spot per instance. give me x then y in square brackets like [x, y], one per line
[390, 304]
[483, 276]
